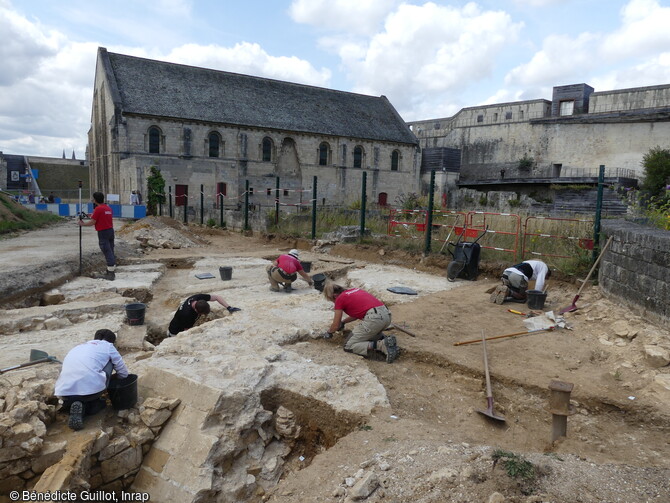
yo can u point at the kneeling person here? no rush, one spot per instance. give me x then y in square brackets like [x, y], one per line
[192, 308]
[87, 370]
[515, 281]
[285, 271]
[367, 336]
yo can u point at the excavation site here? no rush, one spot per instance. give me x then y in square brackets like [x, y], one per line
[260, 405]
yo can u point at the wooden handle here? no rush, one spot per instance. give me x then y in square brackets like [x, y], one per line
[595, 264]
[502, 336]
[489, 394]
[393, 325]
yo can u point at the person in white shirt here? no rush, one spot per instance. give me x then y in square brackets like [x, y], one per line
[87, 370]
[134, 199]
[515, 281]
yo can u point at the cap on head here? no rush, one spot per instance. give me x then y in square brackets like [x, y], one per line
[294, 252]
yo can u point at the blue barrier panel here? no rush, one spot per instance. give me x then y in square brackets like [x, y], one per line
[41, 207]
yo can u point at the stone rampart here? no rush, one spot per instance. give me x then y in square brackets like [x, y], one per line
[636, 268]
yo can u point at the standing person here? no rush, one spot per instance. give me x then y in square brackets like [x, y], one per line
[85, 376]
[51, 197]
[285, 270]
[101, 218]
[358, 304]
[192, 308]
[139, 196]
[133, 198]
[515, 281]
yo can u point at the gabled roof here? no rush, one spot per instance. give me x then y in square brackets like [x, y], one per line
[156, 88]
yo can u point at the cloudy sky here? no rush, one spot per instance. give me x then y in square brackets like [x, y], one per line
[429, 58]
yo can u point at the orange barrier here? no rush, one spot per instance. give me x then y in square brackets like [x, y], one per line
[537, 239]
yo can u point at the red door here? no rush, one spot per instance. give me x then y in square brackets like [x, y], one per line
[381, 200]
[180, 195]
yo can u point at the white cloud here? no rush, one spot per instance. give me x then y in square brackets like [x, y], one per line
[355, 16]
[250, 59]
[561, 58]
[539, 3]
[428, 52]
[645, 31]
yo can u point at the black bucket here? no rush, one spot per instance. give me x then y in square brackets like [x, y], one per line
[536, 299]
[123, 392]
[135, 313]
[319, 281]
[306, 266]
[226, 273]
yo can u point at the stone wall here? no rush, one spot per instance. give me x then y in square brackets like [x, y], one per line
[636, 268]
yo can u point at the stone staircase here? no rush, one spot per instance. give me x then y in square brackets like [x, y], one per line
[584, 201]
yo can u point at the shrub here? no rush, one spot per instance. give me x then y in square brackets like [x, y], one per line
[526, 162]
[656, 165]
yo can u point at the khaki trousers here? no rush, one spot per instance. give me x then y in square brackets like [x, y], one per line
[375, 320]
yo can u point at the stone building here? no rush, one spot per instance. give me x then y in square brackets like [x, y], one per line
[506, 146]
[220, 130]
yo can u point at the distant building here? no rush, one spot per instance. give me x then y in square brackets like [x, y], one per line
[220, 130]
[43, 175]
[506, 145]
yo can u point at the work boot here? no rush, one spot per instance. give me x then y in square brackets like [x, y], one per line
[288, 287]
[499, 294]
[76, 421]
[109, 276]
[274, 288]
[389, 347]
[95, 406]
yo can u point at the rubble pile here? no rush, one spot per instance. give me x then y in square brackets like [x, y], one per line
[36, 455]
[161, 232]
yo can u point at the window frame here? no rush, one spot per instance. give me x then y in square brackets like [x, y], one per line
[267, 145]
[154, 134]
[358, 157]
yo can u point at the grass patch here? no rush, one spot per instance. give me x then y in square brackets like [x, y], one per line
[14, 217]
[516, 466]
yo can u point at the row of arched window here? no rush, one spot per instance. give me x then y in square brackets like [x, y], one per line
[215, 149]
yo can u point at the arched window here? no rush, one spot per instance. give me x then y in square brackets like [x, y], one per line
[214, 145]
[267, 149]
[154, 140]
[395, 160]
[324, 148]
[358, 157]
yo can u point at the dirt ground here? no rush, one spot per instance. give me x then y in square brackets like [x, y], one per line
[432, 445]
[617, 446]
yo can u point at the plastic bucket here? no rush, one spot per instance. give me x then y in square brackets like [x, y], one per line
[306, 266]
[135, 313]
[536, 299]
[123, 392]
[226, 273]
[319, 281]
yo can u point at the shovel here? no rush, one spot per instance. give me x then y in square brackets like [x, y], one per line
[36, 356]
[489, 395]
[573, 307]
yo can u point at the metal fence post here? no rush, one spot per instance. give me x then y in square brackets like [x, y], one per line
[363, 201]
[221, 208]
[599, 207]
[170, 200]
[246, 206]
[202, 204]
[314, 208]
[429, 219]
[277, 202]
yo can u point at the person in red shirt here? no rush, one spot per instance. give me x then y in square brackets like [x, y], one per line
[367, 336]
[285, 271]
[101, 218]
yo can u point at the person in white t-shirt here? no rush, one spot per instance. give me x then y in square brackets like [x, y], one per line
[515, 281]
[87, 370]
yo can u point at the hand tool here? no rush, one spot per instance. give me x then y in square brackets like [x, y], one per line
[489, 394]
[36, 356]
[503, 336]
[516, 312]
[393, 325]
[573, 307]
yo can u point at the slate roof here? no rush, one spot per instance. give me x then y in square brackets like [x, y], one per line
[150, 87]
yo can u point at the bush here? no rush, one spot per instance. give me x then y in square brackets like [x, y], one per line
[526, 162]
[656, 165]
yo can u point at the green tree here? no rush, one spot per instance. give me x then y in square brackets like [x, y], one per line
[656, 165]
[156, 185]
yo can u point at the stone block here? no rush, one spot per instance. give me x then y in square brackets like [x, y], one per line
[52, 297]
[52, 453]
[12, 453]
[156, 403]
[121, 464]
[100, 443]
[13, 483]
[140, 435]
[364, 487]
[114, 447]
[656, 356]
[153, 417]
[156, 459]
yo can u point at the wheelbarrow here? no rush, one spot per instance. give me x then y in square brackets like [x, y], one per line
[465, 258]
